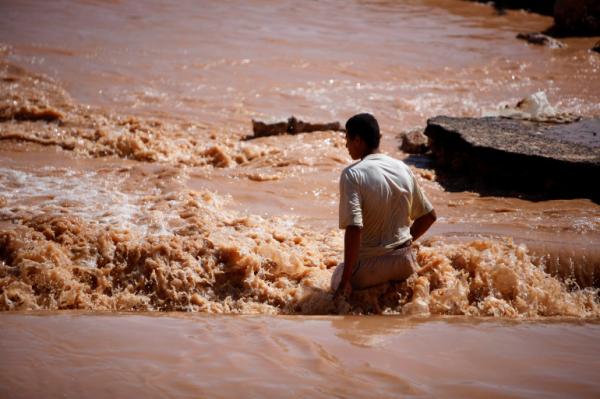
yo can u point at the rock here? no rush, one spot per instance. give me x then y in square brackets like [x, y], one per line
[596, 47]
[262, 129]
[292, 126]
[541, 39]
[576, 18]
[545, 7]
[571, 17]
[545, 160]
[414, 142]
[296, 126]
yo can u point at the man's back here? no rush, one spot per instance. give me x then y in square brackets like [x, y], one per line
[381, 209]
[381, 195]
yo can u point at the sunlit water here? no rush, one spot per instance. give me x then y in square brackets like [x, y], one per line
[170, 210]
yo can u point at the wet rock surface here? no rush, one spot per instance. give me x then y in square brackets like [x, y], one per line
[537, 159]
[291, 126]
[545, 7]
[541, 39]
[571, 17]
[576, 18]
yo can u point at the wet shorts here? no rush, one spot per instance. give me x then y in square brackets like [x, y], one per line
[395, 266]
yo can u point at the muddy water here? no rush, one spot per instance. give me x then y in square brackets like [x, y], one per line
[125, 185]
[229, 62]
[257, 357]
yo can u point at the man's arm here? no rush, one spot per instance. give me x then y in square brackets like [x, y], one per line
[352, 238]
[422, 224]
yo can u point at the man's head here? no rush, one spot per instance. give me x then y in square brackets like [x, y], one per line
[362, 135]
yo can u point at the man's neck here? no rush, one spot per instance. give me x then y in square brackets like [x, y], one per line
[373, 151]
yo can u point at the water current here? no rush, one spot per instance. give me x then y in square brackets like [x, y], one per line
[126, 183]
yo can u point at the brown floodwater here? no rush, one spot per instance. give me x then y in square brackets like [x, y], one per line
[182, 355]
[126, 185]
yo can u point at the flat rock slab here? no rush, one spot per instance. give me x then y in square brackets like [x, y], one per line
[553, 160]
[571, 142]
[585, 133]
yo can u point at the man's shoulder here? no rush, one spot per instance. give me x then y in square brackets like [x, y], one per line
[389, 159]
[372, 165]
[351, 169]
[395, 163]
[379, 160]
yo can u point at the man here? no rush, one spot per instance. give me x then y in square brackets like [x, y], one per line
[379, 198]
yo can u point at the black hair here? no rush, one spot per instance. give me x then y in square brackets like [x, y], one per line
[366, 127]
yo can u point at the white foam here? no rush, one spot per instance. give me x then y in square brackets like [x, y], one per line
[93, 198]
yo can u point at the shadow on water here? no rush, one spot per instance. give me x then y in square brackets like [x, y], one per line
[373, 300]
[486, 185]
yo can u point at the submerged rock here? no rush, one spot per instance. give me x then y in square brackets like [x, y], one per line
[540, 158]
[292, 126]
[541, 39]
[596, 47]
[414, 142]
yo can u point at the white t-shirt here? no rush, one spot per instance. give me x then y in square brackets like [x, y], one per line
[381, 195]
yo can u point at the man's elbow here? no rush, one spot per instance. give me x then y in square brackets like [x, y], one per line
[427, 220]
[432, 216]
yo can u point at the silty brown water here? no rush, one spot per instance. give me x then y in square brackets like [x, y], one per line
[169, 210]
[192, 355]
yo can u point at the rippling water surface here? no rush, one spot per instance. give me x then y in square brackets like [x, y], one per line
[125, 185]
[353, 356]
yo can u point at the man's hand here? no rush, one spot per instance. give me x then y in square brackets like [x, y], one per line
[344, 289]
[351, 249]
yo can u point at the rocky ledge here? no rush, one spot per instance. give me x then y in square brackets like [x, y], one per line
[571, 17]
[546, 160]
